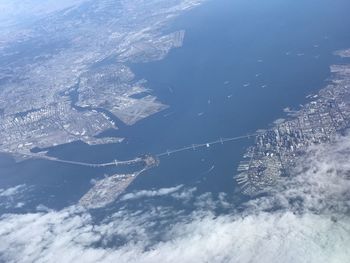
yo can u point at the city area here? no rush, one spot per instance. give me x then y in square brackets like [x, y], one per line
[276, 150]
[73, 86]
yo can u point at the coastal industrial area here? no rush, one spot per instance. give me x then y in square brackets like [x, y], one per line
[58, 88]
[276, 150]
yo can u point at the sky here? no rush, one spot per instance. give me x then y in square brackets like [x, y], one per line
[305, 218]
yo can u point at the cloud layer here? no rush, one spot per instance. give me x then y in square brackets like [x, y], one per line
[151, 193]
[304, 219]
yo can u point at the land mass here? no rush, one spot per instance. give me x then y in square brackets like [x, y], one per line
[276, 150]
[65, 76]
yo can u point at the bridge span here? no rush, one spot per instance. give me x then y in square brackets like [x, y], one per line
[206, 144]
[148, 159]
[95, 165]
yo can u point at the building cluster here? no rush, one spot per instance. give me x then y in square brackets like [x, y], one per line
[49, 126]
[275, 151]
[87, 54]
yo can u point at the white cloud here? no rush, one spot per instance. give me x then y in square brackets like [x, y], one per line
[14, 197]
[185, 195]
[151, 193]
[12, 191]
[311, 224]
[279, 237]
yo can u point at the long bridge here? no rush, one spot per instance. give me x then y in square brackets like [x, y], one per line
[206, 144]
[147, 159]
[93, 165]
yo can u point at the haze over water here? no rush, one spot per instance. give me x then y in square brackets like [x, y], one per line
[282, 49]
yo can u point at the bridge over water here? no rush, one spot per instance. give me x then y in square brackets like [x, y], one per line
[206, 144]
[140, 159]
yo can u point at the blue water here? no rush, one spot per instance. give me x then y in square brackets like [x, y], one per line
[285, 45]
